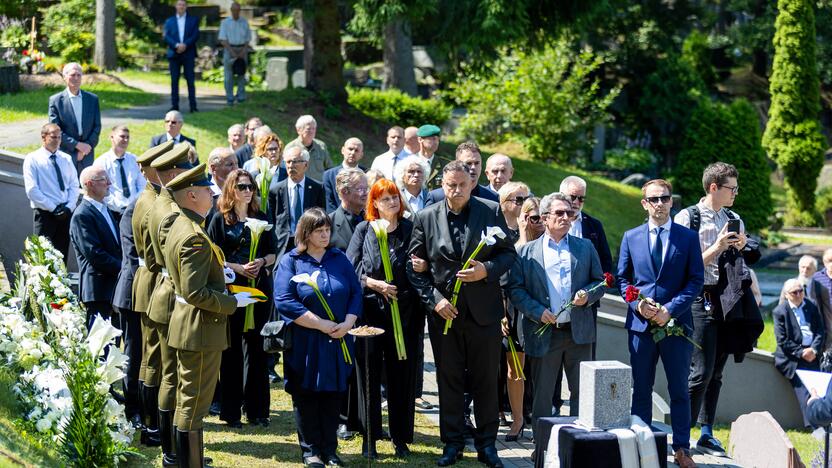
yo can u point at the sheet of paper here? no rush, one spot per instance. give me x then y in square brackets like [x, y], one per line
[817, 381]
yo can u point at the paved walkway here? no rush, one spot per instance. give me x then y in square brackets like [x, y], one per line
[27, 132]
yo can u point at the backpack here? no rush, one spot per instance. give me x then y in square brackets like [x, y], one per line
[751, 252]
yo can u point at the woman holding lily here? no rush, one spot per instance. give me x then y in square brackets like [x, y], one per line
[238, 229]
[318, 293]
[379, 254]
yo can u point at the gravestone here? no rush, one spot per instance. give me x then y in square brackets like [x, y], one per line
[299, 79]
[277, 73]
[758, 440]
[605, 394]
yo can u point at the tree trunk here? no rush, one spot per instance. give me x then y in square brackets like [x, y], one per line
[105, 34]
[322, 59]
[398, 57]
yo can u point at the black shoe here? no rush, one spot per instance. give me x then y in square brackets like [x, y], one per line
[402, 451]
[151, 438]
[515, 437]
[711, 446]
[450, 455]
[194, 109]
[135, 421]
[343, 433]
[313, 462]
[234, 424]
[215, 408]
[488, 457]
[168, 435]
[262, 422]
[334, 460]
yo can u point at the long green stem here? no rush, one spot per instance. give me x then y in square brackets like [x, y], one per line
[515, 359]
[248, 323]
[398, 333]
[458, 284]
[344, 350]
[541, 329]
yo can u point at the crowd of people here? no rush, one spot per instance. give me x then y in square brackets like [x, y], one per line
[506, 283]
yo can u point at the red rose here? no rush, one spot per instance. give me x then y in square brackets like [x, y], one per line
[25, 51]
[55, 306]
[608, 279]
[631, 293]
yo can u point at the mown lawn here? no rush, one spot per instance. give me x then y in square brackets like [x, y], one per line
[27, 105]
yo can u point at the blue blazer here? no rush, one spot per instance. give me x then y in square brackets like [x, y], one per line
[191, 35]
[157, 140]
[123, 294]
[677, 284]
[480, 191]
[61, 113]
[97, 250]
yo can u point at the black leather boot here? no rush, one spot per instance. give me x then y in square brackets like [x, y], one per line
[183, 451]
[150, 402]
[168, 436]
[189, 450]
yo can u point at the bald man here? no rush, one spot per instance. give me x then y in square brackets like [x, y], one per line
[498, 171]
[353, 152]
[411, 140]
[173, 131]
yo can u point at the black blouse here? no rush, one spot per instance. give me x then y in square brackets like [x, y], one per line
[235, 240]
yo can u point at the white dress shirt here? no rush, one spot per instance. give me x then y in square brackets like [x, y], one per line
[577, 228]
[557, 261]
[136, 182]
[805, 326]
[102, 208]
[176, 139]
[41, 182]
[665, 236]
[386, 163]
[180, 25]
[77, 108]
[291, 186]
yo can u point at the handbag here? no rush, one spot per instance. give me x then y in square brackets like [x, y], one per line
[277, 336]
[239, 67]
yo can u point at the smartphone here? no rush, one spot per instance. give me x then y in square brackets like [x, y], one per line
[734, 226]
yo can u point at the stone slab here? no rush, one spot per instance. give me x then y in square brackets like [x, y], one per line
[758, 440]
[605, 394]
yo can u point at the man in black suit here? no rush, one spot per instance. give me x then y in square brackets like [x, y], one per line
[290, 197]
[799, 331]
[78, 115]
[353, 152]
[584, 225]
[93, 231]
[467, 153]
[181, 31]
[445, 234]
[173, 129]
[352, 189]
[245, 152]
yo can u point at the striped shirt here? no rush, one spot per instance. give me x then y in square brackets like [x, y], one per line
[710, 224]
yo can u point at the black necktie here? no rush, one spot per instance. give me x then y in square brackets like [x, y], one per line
[125, 189]
[297, 211]
[657, 250]
[58, 174]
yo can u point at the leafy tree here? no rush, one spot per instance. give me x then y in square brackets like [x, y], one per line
[728, 133]
[322, 59]
[105, 34]
[550, 99]
[792, 136]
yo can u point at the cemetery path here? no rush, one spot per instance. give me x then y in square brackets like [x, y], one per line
[27, 132]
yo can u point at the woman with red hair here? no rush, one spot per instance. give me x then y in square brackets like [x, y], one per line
[384, 202]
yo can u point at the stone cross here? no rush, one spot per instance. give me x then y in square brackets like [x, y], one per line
[605, 394]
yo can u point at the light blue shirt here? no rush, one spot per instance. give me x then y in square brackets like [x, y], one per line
[135, 179]
[102, 208]
[557, 261]
[577, 229]
[805, 326]
[41, 182]
[665, 236]
[417, 202]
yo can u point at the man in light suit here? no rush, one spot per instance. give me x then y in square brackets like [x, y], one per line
[353, 152]
[78, 115]
[386, 162]
[181, 34]
[664, 261]
[173, 131]
[549, 273]
[290, 197]
[469, 154]
[93, 231]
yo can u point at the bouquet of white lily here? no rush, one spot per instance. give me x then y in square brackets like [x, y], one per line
[312, 281]
[257, 228]
[264, 181]
[489, 237]
[380, 228]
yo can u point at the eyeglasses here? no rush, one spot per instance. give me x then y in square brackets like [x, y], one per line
[273, 150]
[245, 187]
[98, 179]
[656, 200]
[172, 121]
[733, 189]
[796, 292]
[534, 219]
[361, 190]
[579, 198]
[296, 161]
[560, 213]
[517, 200]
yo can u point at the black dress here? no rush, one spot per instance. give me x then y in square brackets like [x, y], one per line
[244, 378]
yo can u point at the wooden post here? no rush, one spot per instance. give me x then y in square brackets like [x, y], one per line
[32, 36]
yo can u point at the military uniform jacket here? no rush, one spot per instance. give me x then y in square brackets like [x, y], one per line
[200, 313]
[160, 219]
[144, 280]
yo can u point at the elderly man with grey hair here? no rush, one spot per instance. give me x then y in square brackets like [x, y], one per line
[351, 184]
[221, 162]
[813, 291]
[584, 225]
[173, 130]
[78, 115]
[498, 171]
[234, 37]
[236, 137]
[411, 176]
[244, 152]
[319, 159]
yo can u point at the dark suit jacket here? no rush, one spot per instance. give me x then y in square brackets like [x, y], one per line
[159, 139]
[789, 338]
[593, 230]
[61, 113]
[480, 191]
[313, 195]
[675, 286]
[123, 294]
[244, 153]
[191, 35]
[431, 240]
[97, 251]
[343, 226]
[819, 412]
[333, 201]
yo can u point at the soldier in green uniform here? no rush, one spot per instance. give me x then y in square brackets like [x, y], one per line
[159, 220]
[198, 328]
[428, 144]
[143, 281]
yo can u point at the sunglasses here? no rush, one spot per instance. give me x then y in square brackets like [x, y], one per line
[172, 121]
[244, 187]
[534, 219]
[560, 213]
[518, 200]
[578, 198]
[655, 200]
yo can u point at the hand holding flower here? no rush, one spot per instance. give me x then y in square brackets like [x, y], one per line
[580, 298]
[476, 272]
[662, 316]
[446, 310]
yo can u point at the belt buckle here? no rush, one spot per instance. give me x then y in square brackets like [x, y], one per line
[560, 325]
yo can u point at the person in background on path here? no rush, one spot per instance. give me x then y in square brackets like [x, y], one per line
[411, 140]
[319, 159]
[798, 328]
[813, 291]
[664, 261]
[126, 179]
[181, 33]
[236, 137]
[51, 185]
[173, 130]
[386, 162]
[234, 37]
[353, 153]
[95, 239]
[77, 113]
[244, 152]
[498, 171]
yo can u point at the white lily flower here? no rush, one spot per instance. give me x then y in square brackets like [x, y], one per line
[101, 334]
[113, 368]
[491, 233]
[380, 226]
[257, 226]
[311, 280]
[264, 166]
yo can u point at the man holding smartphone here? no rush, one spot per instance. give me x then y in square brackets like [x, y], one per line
[719, 230]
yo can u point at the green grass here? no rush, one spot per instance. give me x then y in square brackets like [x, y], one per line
[162, 77]
[766, 341]
[18, 448]
[807, 446]
[27, 105]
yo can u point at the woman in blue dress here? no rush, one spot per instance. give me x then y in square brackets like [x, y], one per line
[315, 367]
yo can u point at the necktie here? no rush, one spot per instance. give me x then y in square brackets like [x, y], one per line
[657, 250]
[125, 189]
[297, 211]
[58, 174]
